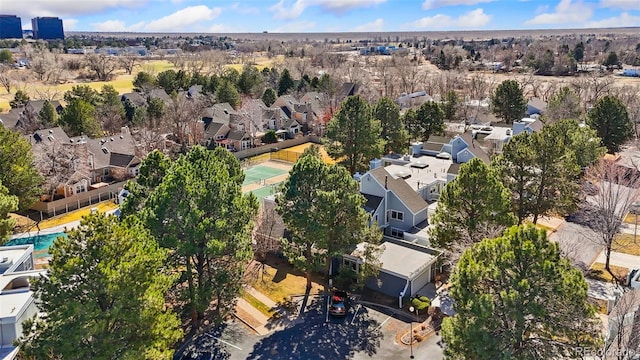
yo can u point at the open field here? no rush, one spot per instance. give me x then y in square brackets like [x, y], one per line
[467, 35]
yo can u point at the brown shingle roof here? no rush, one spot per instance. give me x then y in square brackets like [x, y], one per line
[475, 148]
[432, 146]
[403, 191]
[453, 169]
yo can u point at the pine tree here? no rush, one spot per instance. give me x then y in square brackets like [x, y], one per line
[393, 132]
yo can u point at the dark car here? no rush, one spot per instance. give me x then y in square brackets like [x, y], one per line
[338, 303]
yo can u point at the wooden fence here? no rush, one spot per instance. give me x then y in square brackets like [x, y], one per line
[61, 206]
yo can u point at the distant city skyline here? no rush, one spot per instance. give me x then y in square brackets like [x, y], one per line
[296, 16]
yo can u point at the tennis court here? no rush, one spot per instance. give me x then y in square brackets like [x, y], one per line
[259, 173]
[265, 191]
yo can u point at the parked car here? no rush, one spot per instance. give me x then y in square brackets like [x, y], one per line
[338, 303]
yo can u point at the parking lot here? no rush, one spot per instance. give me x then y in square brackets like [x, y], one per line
[364, 333]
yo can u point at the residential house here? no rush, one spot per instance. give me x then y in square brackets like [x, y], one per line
[418, 98]
[461, 148]
[17, 300]
[316, 106]
[36, 106]
[237, 140]
[158, 93]
[11, 119]
[536, 106]
[498, 136]
[62, 161]
[622, 335]
[112, 158]
[347, 89]
[405, 268]
[135, 98]
[215, 132]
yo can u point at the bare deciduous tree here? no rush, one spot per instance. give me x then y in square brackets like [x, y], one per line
[616, 189]
[267, 232]
[61, 164]
[129, 61]
[185, 117]
[101, 65]
[623, 334]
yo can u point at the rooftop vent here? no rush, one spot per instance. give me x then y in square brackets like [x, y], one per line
[105, 150]
[50, 137]
[402, 174]
[71, 140]
[50, 131]
[111, 139]
[419, 165]
[37, 137]
[121, 137]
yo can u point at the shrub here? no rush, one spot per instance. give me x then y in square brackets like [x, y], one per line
[421, 303]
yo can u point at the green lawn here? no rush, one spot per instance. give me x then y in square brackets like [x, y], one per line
[257, 304]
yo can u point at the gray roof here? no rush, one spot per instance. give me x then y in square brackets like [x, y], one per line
[134, 97]
[404, 261]
[53, 134]
[475, 148]
[212, 129]
[538, 104]
[439, 139]
[236, 135]
[121, 160]
[103, 148]
[453, 169]
[373, 202]
[403, 191]
[37, 105]
[160, 94]
[10, 119]
[432, 146]
[536, 125]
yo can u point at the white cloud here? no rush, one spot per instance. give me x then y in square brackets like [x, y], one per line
[284, 11]
[566, 12]
[69, 24]
[63, 8]
[295, 27]
[474, 19]
[373, 26]
[116, 26]
[624, 19]
[433, 4]
[180, 19]
[621, 4]
[244, 9]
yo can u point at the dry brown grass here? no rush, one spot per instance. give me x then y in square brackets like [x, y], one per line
[279, 280]
[598, 272]
[626, 243]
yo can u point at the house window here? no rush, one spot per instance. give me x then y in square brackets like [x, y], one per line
[105, 172]
[397, 215]
[397, 233]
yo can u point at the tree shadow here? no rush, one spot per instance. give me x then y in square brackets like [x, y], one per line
[315, 338]
[207, 345]
[280, 275]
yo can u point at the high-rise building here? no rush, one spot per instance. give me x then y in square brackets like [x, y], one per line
[10, 27]
[47, 28]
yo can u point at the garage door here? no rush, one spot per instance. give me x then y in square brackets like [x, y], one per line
[422, 280]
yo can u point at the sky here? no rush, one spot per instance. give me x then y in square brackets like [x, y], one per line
[295, 16]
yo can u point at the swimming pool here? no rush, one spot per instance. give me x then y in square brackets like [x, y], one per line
[41, 243]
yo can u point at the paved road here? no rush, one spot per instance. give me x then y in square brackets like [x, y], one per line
[363, 334]
[622, 259]
[578, 242]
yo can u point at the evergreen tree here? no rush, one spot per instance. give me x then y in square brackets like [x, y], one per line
[516, 297]
[269, 97]
[103, 296]
[228, 93]
[471, 207]
[285, 83]
[250, 80]
[508, 102]
[47, 115]
[84, 93]
[609, 117]
[322, 207]
[450, 103]
[19, 174]
[20, 99]
[199, 213]
[8, 204]
[430, 120]
[143, 82]
[393, 132]
[353, 135]
[152, 170]
[79, 118]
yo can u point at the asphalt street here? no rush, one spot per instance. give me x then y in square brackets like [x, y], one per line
[364, 333]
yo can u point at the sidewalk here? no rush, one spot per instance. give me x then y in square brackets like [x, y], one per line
[621, 259]
[257, 317]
